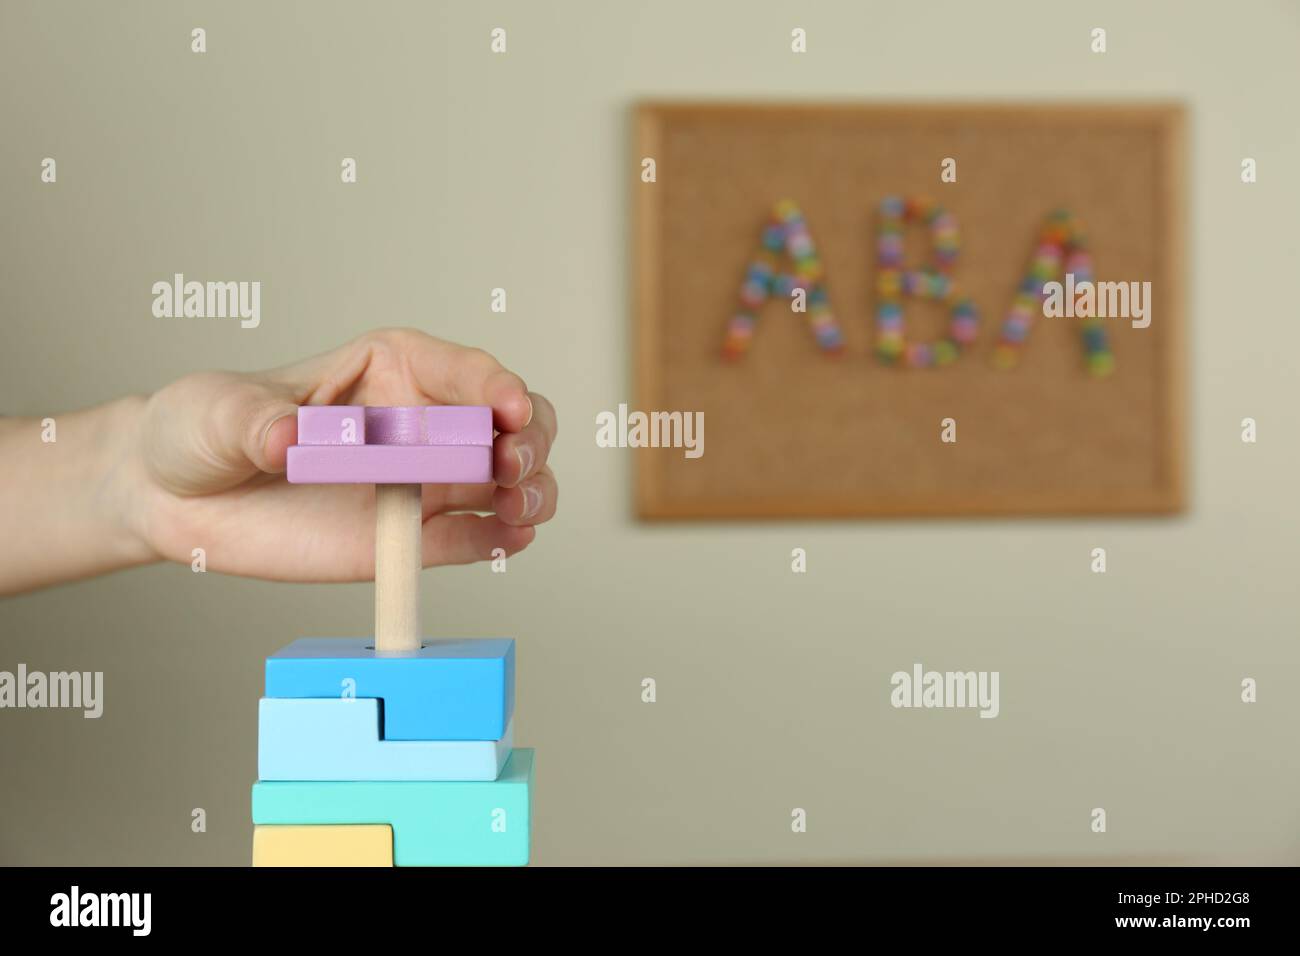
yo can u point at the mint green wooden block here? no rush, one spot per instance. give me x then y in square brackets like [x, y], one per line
[435, 823]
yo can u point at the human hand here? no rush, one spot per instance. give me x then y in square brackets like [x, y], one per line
[210, 448]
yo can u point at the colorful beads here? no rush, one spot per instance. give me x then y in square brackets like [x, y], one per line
[893, 282]
[1061, 248]
[787, 263]
[785, 237]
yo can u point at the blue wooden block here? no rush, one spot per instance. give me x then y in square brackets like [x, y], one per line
[469, 823]
[342, 739]
[447, 690]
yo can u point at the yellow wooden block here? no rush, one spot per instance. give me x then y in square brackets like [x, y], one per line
[323, 845]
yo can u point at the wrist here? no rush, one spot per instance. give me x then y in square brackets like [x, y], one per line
[122, 490]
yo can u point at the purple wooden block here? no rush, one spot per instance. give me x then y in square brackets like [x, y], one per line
[427, 444]
[430, 425]
[331, 425]
[389, 464]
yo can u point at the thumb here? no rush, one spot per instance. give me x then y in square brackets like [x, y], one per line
[270, 426]
[208, 432]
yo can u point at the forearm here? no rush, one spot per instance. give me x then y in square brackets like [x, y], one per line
[67, 506]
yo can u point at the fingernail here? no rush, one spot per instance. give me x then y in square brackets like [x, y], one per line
[532, 501]
[530, 411]
[266, 432]
[525, 455]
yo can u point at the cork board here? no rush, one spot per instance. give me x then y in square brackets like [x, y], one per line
[791, 431]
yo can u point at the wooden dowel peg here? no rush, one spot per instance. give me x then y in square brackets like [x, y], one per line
[398, 559]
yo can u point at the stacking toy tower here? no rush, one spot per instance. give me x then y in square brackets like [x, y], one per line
[392, 751]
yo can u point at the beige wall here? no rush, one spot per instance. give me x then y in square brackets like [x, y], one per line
[478, 171]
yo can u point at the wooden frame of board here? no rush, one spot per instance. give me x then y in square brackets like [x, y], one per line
[1114, 477]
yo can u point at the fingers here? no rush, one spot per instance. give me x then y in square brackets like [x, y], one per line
[457, 375]
[465, 539]
[530, 503]
[407, 367]
[441, 498]
[322, 379]
[521, 455]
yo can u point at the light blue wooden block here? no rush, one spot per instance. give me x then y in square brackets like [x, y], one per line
[447, 690]
[307, 738]
[467, 823]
